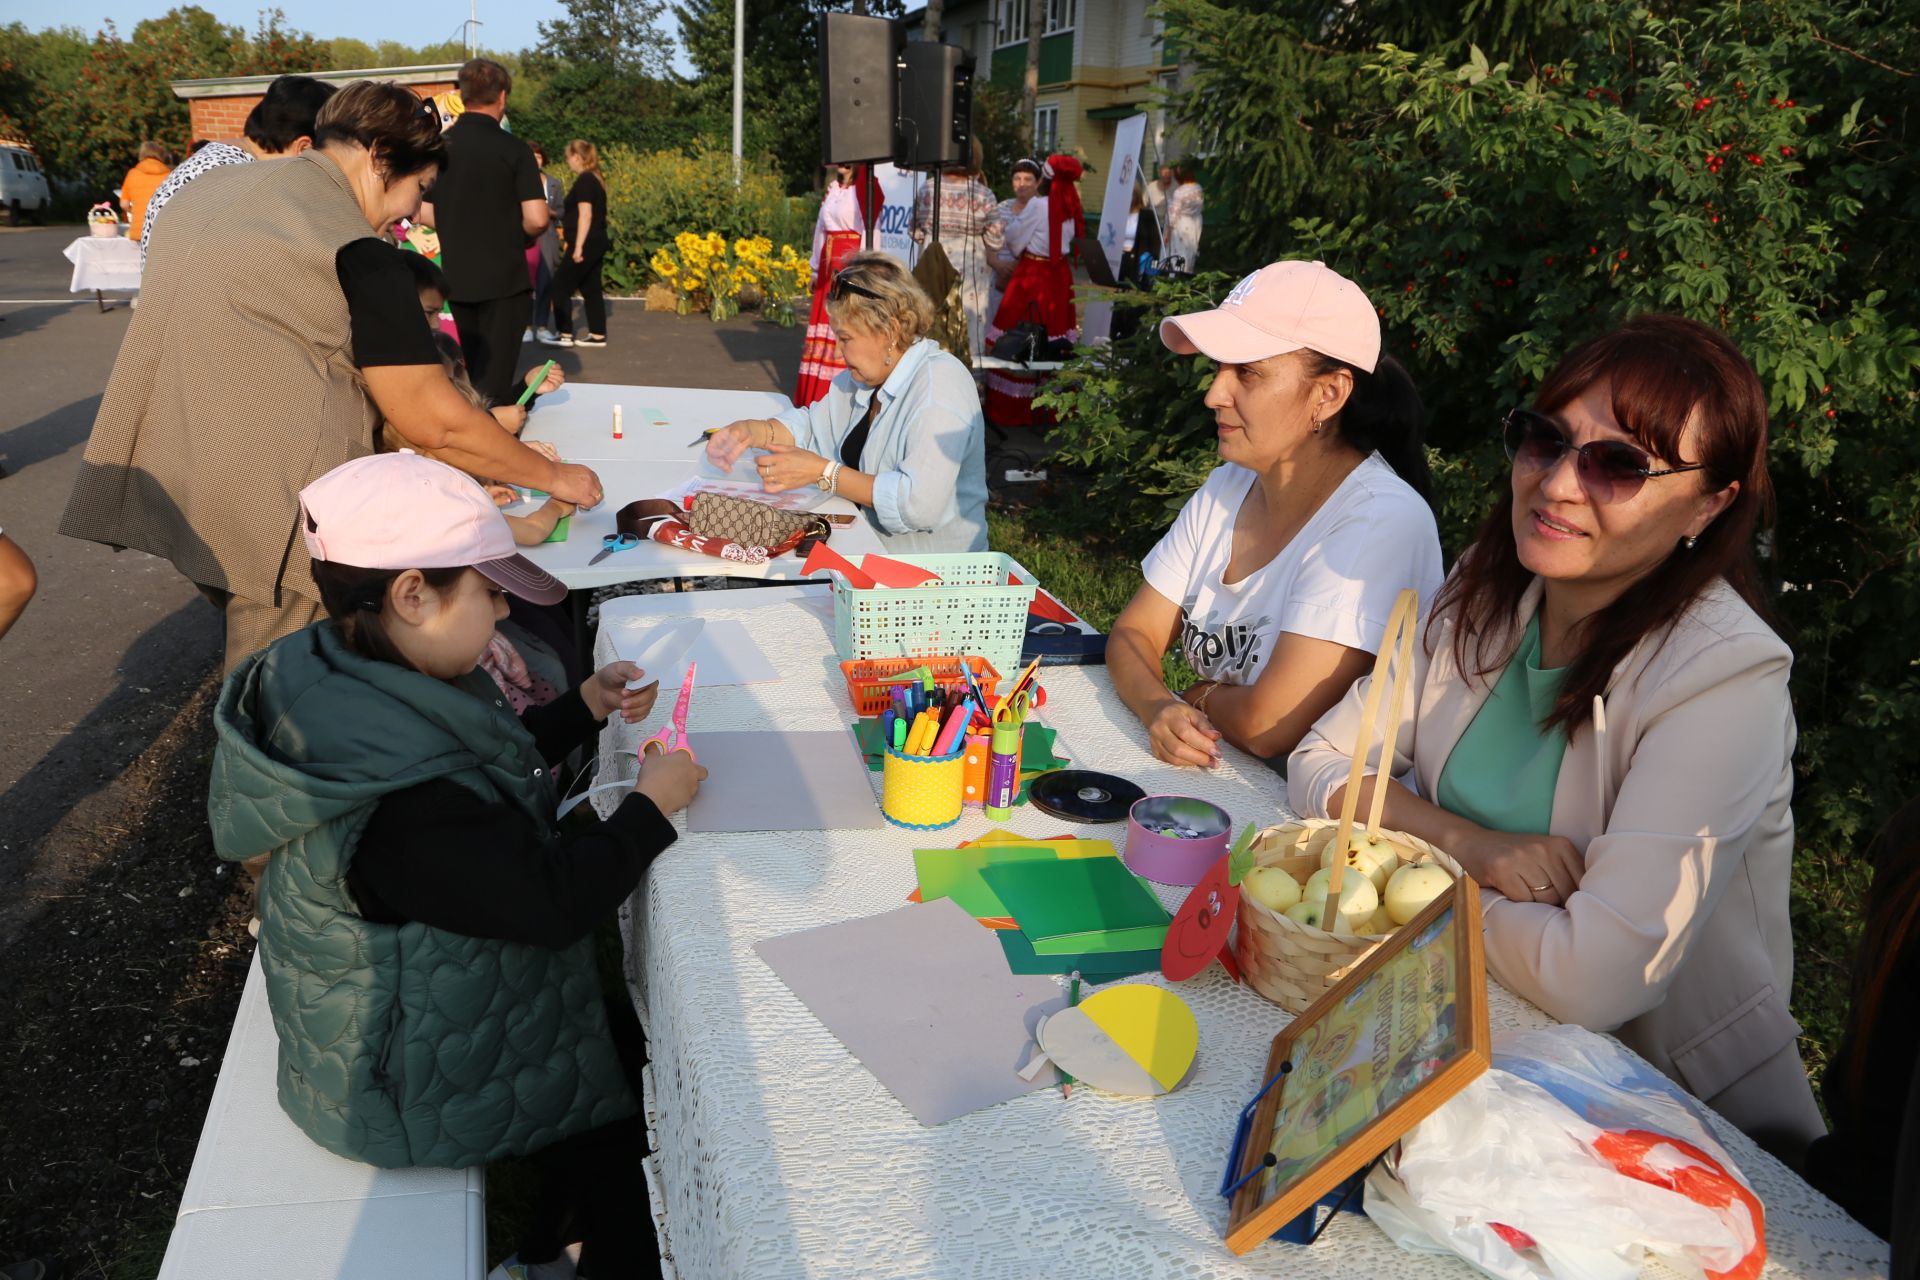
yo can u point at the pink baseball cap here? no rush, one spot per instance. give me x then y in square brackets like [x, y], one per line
[1282, 307]
[403, 511]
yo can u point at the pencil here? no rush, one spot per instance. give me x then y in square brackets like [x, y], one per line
[1073, 1001]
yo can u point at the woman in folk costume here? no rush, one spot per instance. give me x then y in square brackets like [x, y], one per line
[1040, 291]
[836, 236]
[967, 211]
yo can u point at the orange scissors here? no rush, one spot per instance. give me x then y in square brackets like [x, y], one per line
[673, 735]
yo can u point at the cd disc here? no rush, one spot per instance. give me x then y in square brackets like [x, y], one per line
[1081, 795]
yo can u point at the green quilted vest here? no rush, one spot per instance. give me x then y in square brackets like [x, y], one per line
[400, 1045]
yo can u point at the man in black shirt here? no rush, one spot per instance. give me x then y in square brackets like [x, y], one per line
[487, 206]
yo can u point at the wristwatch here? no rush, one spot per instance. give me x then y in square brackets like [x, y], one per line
[829, 476]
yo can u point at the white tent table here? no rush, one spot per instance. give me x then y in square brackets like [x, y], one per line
[104, 264]
[776, 1154]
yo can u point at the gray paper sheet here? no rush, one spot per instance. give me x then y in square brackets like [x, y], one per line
[769, 781]
[922, 997]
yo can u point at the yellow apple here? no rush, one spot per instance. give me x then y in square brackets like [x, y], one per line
[1272, 888]
[1375, 863]
[1307, 913]
[1380, 922]
[1412, 888]
[1357, 897]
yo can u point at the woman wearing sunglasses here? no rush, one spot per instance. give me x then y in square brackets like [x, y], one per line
[1604, 734]
[899, 431]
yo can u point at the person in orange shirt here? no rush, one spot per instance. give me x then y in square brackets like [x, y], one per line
[137, 188]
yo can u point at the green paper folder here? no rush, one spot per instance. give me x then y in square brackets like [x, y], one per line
[955, 873]
[1093, 966]
[1079, 905]
[560, 530]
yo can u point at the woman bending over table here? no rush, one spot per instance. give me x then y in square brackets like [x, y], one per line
[1278, 576]
[1604, 735]
[899, 432]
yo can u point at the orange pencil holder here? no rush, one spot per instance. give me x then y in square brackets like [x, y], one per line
[973, 775]
[922, 792]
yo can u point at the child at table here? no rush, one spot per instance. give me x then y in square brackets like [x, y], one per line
[425, 930]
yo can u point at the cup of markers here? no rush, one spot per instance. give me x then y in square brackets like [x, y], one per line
[925, 745]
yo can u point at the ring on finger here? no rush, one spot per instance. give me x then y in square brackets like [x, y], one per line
[1539, 888]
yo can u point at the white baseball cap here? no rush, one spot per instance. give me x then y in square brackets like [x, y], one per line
[403, 511]
[1282, 307]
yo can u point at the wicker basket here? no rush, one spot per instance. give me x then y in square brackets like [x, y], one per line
[1293, 964]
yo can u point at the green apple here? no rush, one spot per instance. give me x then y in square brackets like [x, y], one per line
[1358, 898]
[1412, 888]
[1272, 888]
[1376, 863]
[1307, 913]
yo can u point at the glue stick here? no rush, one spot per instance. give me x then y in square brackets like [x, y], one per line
[1003, 770]
[616, 423]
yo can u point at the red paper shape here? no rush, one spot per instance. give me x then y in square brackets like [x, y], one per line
[825, 557]
[1045, 605]
[895, 573]
[1199, 932]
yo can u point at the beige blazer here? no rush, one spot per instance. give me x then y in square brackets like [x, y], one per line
[1677, 939]
[235, 386]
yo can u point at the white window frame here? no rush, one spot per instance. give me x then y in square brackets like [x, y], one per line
[1010, 20]
[1046, 139]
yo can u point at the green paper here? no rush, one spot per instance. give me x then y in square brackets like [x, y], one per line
[561, 528]
[1094, 966]
[1240, 857]
[955, 873]
[528, 393]
[1036, 751]
[1075, 906]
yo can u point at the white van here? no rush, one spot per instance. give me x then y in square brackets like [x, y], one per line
[23, 187]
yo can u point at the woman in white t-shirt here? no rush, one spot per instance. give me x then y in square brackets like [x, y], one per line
[1277, 577]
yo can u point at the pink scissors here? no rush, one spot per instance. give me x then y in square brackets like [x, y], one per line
[673, 736]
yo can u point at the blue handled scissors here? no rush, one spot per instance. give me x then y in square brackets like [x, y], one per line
[615, 542]
[673, 735]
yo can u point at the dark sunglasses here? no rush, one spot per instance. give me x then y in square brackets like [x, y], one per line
[1609, 470]
[842, 286]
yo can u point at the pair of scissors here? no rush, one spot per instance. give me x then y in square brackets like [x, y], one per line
[673, 735]
[1014, 708]
[615, 542]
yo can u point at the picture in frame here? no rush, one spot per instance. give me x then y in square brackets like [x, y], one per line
[1375, 1055]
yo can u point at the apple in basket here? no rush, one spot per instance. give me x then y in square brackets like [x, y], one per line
[1307, 913]
[1375, 862]
[1272, 888]
[1358, 898]
[1412, 888]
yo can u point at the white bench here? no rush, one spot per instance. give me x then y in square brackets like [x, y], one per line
[264, 1200]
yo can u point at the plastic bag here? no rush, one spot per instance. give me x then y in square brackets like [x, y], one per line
[1570, 1159]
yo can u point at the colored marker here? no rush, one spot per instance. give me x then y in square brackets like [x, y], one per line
[956, 721]
[886, 727]
[899, 735]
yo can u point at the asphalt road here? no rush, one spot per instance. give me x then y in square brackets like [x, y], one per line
[115, 643]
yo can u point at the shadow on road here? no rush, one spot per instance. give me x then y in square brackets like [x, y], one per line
[47, 436]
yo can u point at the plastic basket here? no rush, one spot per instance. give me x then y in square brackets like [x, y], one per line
[972, 610]
[869, 689]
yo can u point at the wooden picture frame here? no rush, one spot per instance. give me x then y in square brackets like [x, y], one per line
[1353, 1016]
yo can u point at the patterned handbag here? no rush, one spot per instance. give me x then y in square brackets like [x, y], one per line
[750, 523]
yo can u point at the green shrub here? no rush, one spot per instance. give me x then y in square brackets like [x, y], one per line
[652, 196]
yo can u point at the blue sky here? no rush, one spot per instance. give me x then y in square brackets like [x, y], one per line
[504, 25]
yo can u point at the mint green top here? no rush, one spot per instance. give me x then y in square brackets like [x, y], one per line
[1502, 772]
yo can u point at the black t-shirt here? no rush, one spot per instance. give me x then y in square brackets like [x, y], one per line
[587, 191]
[383, 306]
[476, 207]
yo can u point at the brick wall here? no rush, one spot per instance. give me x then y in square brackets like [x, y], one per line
[224, 119]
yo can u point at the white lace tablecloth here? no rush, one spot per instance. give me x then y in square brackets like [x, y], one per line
[777, 1154]
[104, 263]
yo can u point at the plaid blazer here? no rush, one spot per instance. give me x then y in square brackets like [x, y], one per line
[235, 386]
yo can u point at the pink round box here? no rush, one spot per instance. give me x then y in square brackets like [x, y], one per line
[1173, 859]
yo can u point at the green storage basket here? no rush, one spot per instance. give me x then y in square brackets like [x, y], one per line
[972, 611]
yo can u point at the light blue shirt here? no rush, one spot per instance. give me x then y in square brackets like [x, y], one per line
[926, 449]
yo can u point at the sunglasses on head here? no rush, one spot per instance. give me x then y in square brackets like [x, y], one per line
[1609, 470]
[842, 286]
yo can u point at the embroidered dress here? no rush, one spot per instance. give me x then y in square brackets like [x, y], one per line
[1039, 238]
[836, 236]
[967, 210]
